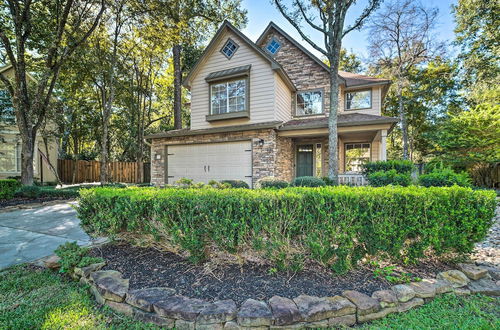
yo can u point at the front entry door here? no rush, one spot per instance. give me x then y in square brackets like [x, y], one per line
[305, 162]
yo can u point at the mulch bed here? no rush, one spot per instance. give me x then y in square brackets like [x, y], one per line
[149, 267]
[22, 201]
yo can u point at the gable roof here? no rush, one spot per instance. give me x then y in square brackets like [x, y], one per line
[349, 79]
[226, 25]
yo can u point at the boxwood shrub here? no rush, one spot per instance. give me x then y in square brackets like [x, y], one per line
[308, 181]
[444, 177]
[400, 166]
[384, 178]
[8, 187]
[336, 226]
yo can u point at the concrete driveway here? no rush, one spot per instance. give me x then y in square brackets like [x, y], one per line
[30, 234]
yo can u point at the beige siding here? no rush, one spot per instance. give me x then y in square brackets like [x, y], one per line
[283, 100]
[375, 151]
[262, 83]
[376, 101]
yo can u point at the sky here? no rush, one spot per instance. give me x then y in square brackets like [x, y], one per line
[261, 12]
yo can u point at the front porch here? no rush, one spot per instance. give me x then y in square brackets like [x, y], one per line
[356, 145]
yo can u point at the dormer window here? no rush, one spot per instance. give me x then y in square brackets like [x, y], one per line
[273, 46]
[229, 48]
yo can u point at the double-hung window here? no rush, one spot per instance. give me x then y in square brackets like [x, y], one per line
[228, 96]
[309, 103]
[358, 100]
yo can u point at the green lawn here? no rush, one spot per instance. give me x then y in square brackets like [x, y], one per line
[42, 299]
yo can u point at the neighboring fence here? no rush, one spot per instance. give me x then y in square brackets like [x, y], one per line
[73, 171]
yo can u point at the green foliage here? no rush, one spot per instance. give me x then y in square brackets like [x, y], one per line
[73, 256]
[36, 298]
[28, 192]
[327, 181]
[308, 181]
[236, 183]
[391, 177]
[8, 188]
[271, 182]
[444, 177]
[390, 274]
[336, 226]
[399, 165]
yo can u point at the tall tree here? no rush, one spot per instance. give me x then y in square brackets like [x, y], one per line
[48, 32]
[187, 23]
[328, 18]
[477, 36]
[402, 38]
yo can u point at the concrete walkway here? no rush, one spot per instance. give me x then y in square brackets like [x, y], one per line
[30, 234]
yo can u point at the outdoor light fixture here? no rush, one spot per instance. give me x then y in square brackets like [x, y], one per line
[261, 142]
[158, 156]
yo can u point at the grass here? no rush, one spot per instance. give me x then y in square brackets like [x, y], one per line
[42, 299]
[32, 298]
[446, 312]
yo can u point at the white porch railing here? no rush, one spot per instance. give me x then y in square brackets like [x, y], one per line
[352, 179]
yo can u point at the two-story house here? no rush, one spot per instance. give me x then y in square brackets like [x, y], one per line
[260, 109]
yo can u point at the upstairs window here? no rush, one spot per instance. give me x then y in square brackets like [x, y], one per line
[273, 46]
[309, 103]
[358, 100]
[229, 48]
[229, 96]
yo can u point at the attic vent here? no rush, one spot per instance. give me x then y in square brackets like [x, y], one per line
[229, 48]
[273, 46]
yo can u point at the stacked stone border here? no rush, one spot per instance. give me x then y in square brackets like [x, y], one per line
[163, 307]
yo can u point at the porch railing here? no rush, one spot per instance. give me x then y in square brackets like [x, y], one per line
[352, 179]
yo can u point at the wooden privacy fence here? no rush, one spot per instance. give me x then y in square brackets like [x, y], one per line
[79, 171]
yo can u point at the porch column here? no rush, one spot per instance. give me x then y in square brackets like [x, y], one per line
[383, 145]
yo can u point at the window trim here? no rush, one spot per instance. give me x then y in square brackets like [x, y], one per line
[321, 90]
[358, 91]
[224, 46]
[277, 50]
[345, 153]
[229, 115]
[17, 162]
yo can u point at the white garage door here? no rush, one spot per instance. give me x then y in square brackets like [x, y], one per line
[210, 161]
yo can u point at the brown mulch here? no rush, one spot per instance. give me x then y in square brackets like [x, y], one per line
[149, 267]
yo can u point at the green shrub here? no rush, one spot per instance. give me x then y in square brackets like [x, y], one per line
[60, 193]
[385, 178]
[400, 166]
[336, 226]
[8, 188]
[308, 181]
[444, 177]
[236, 183]
[28, 192]
[73, 256]
[271, 182]
[327, 181]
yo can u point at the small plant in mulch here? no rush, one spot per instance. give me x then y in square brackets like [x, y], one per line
[391, 275]
[73, 256]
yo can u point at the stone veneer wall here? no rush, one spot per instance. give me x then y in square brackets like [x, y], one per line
[162, 306]
[274, 158]
[304, 72]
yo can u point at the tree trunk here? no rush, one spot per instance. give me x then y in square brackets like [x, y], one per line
[176, 53]
[402, 118]
[27, 156]
[333, 165]
[104, 148]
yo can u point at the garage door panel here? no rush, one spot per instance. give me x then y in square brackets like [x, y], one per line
[211, 161]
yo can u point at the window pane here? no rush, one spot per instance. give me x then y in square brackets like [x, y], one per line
[273, 46]
[358, 100]
[309, 103]
[228, 97]
[356, 155]
[229, 48]
[8, 157]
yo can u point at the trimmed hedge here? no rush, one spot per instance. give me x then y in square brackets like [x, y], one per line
[272, 182]
[337, 226]
[8, 187]
[308, 181]
[400, 166]
[444, 177]
[384, 178]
